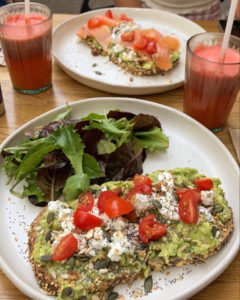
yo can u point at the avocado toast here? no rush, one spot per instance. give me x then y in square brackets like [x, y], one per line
[118, 249]
[141, 52]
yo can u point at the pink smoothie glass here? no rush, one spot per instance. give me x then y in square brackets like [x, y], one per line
[211, 84]
[27, 44]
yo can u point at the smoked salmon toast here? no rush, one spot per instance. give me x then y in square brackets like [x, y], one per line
[139, 51]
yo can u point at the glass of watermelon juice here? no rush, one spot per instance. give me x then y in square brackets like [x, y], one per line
[211, 84]
[27, 46]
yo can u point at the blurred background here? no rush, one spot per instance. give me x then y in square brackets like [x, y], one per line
[79, 6]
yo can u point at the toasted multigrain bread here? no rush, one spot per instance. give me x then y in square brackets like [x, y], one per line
[45, 280]
[132, 68]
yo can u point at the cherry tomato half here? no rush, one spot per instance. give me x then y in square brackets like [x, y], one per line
[151, 47]
[149, 229]
[109, 14]
[196, 192]
[86, 202]
[128, 36]
[187, 208]
[94, 22]
[102, 199]
[123, 17]
[85, 220]
[140, 43]
[204, 183]
[141, 179]
[66, 248]
[116, 206]
[139, 189]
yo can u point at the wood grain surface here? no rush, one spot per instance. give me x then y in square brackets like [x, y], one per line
[22, 108]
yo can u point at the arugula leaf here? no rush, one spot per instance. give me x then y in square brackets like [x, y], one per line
[9, 166]
[31, 188]
[153, 140]
[91, 166]
[64, 115]
[105, 147]
[118, 131]
[75, 185]
[93, 116]
[33, 158]
[25, 145]
[71, 144]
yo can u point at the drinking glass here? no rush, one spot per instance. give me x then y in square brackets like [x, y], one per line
[211, 84]
[27, 46]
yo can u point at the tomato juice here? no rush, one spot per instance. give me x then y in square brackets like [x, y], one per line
[26, 45]
[211, 85]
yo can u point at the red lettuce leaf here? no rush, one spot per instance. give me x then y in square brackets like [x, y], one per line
[145, 122]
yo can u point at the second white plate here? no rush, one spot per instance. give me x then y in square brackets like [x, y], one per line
[76, 59]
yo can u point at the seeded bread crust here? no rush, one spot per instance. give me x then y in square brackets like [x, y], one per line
[45, 280]
[158, 264]
[133, 68]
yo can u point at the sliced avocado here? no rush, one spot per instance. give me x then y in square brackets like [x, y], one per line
[148, 65]
[96, 43]
[175, 56]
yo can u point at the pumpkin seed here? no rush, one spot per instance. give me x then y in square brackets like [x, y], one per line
[101, 264]
[48, 236]
[50, 217]
[157, 204]
[108, 236]
[112, 296]
[82, 298]
[83, 258]
[71, 261]
[214, 230]
[67, 292]
[216, 209]
[46, 258]
[148, 284]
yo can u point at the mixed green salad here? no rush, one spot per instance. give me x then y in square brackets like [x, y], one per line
[66, 155]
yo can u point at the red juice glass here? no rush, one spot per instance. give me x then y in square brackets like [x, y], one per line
[27, 46]
[211, 84]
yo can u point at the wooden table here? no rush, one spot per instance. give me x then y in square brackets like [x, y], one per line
[21, 108]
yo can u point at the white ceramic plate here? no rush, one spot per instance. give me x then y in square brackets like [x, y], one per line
[191, 145]
[76, 59]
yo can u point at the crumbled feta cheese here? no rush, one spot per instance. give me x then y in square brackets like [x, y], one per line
[115, 224]
[98, 241]
[141, 202]
[67, 225]
[129, 56]
[119, 245]
[118, 48]
[169, 209]
[59, 208]
[81, 241]
[53, 205]
[95, 211]
[167, 181]
[207, 197]
[206, 212]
